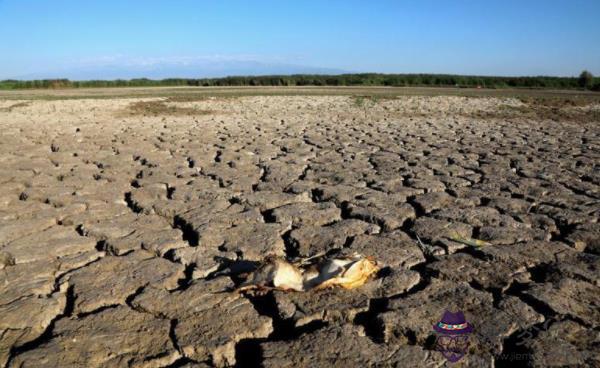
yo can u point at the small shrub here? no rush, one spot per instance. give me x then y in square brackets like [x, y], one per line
[585, 79]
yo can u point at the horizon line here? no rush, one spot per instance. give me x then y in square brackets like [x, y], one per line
[294, 75]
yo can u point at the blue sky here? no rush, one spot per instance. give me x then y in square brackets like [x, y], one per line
[108, 38]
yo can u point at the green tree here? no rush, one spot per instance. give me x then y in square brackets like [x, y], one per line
[585, 79]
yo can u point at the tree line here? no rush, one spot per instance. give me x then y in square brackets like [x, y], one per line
[586, 81]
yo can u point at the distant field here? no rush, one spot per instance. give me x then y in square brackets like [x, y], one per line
[85, 93]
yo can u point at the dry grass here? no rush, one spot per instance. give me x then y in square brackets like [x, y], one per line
[556, 109]
[557, 102]
[14, 106]
[559, 109]
[183, 94]
[196, 98]
[157, 108]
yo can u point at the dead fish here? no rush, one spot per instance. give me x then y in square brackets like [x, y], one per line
[277, 273]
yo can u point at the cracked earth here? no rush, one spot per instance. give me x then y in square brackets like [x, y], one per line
[119, 219]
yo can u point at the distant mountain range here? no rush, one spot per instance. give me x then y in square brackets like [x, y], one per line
[197, 69]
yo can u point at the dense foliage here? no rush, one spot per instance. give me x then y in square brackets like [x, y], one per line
[438, 80]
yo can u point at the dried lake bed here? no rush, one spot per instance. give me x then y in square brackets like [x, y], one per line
[120, 215]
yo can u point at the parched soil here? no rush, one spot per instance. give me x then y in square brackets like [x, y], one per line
[125, 224]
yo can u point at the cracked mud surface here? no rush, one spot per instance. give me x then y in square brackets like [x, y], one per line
[117, 226]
